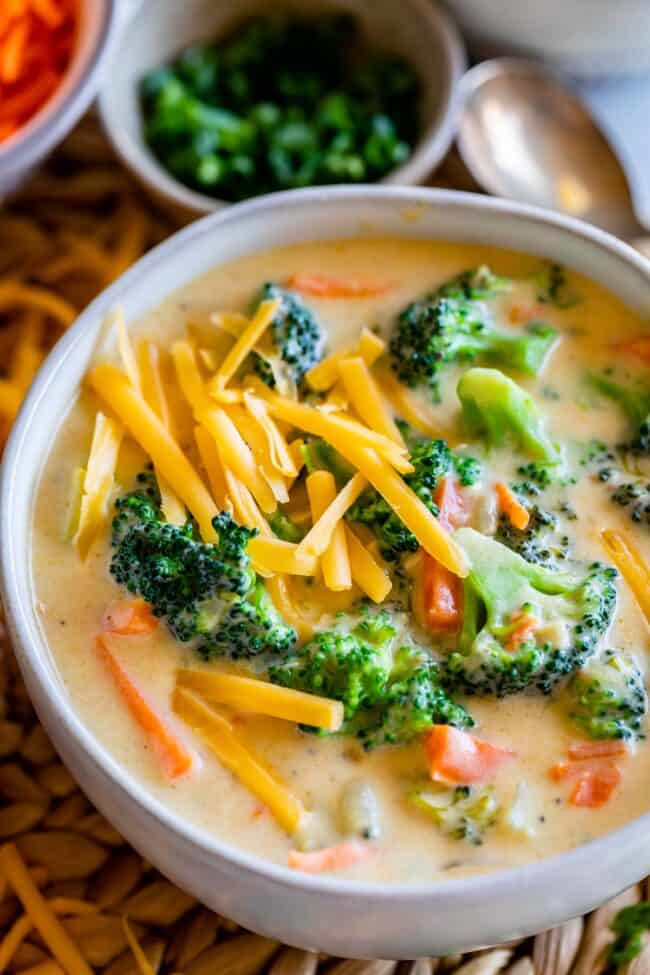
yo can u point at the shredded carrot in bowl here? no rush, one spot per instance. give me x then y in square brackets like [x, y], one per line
[36, 43]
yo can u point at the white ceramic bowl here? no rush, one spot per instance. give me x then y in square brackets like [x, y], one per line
[161, 29]
[587, 38]
[23, 151]
[348, 919]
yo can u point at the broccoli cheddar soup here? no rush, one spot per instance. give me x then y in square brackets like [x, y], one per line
[342, 553]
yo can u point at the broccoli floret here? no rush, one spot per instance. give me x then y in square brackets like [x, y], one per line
[635, 496]
[387, 699]
[540, 542]
[206, 593]
[629, 926]
[285, 528]
[464, 813]
[296, 335]
[498, 410]
[572, 611]
[553, 288]
[608, 697]
[468, 470]
[454, 325]
[635, 403]
[431, 460]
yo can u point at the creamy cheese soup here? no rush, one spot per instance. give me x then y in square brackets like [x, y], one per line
[476, 667]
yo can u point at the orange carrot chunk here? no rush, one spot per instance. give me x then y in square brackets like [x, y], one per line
[638, 348]
[174, 757]
[442, 596]
[594, 789]
[331, 858]
[324, 286]
[524, 627]
[512, 508]
[457, 758]
[129, 617]
[596, 749]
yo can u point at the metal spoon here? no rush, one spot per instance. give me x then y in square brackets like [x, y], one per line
[523, 134]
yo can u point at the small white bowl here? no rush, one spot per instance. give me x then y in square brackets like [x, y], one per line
[98, 23]
[587, 38]
[415, 29]
[345, 919]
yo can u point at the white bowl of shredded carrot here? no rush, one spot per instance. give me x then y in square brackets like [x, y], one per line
[51, 55]
[355, 919]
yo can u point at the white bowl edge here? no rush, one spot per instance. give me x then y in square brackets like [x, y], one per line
[405, 921]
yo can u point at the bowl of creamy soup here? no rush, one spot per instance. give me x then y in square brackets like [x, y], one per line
[325, 552]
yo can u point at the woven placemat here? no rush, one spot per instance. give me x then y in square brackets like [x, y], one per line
[76, 856]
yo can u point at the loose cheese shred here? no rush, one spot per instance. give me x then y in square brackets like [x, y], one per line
[188, 375]
[260, 697]
[297, 458]
[150, 384]
[255, 437]
[372, 578]
[246, 342]
[16, 294]
[246, 510]
[416, 516]
[28, 354]
[320, 534]
[49, 927]
[146, 429]
[10, 399]
[141, 959]
[365, 397]
[629, 561]
[278, 589]
[98, 481]
[127, 355]
[219, 736]
[275, 555]
[406, 406]
[210, 459]
[232, 322]
[338, 429]
[324, 374]
[74, 504]
[335, 562]
[236, 454]
[43, 968]
[278, 447]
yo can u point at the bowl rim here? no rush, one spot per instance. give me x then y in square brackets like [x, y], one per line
[55, 118]
[430, 148]
[31, 657]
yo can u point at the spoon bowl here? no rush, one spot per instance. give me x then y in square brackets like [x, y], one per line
[524, 135]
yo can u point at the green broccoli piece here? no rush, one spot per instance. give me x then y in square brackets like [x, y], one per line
[635, 403]
[388, 698]
[498, 410]
[431, 460]
[573, 610]
[454, 325]
[206, 593]
[464, 813]
[285, 528]
[540, 542]
[608, 697]
[296, 335]
[468, 470]
[553, 288]
[629, 925]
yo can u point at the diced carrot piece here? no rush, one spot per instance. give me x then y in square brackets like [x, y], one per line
[456, 757]
[330, 858]
[512, 508]
[175, 758]
[129, 617]
[525, 627]
[323, 286]
[596, 749]
[451, 504]
[594, 789]
[442, 596]
[638, 348]
[577, 767]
